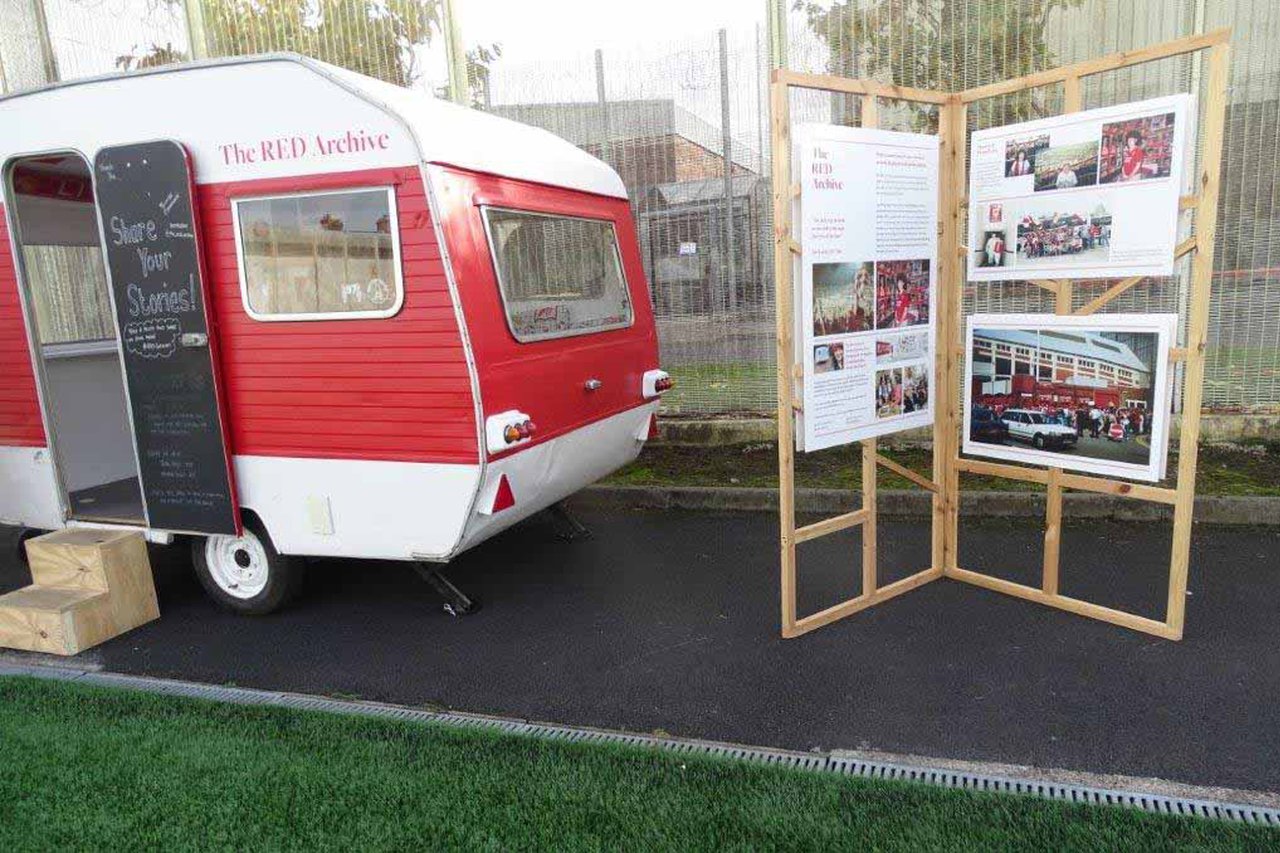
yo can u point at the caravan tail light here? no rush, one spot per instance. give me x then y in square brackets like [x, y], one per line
[655, 382]
[508, 429]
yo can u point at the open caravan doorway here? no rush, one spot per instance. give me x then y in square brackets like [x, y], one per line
[75, 336]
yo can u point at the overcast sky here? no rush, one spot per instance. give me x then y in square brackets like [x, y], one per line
[540, 29]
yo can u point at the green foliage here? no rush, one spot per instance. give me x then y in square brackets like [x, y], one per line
[379, 38]
[944, 45]
[372, 37]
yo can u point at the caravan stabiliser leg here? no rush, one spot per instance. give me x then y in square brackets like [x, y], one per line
[20, 544]
[568, 528]
[456, 602]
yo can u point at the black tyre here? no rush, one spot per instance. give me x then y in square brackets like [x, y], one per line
[245, 574]
[1038, 441]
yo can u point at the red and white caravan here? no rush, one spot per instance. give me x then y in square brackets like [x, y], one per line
[403, 325]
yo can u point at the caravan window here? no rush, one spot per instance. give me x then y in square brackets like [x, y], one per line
[559, 275]
[325, 255]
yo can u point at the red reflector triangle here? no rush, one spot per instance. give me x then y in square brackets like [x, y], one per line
[504, 498]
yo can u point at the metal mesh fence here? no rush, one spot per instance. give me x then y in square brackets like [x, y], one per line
[686, 125]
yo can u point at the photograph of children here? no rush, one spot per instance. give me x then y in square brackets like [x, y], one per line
[993, 248]
[1138, 149]
[828, 358]
[915, 389]
[1067, 167]
[889, 392]
[902, 293]
[1020, 155]
[842, 298]
[1075, 229]
[1072, 392]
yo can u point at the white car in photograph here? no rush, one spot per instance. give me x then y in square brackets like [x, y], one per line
[1035, 429]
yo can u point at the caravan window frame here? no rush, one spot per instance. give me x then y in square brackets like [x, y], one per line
[396, 256]
[485, 209]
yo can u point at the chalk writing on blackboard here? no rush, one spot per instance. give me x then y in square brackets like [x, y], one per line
[155, 337]
[153, 259]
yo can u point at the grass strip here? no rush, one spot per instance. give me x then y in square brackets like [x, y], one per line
[1222, 470]
[84, 767]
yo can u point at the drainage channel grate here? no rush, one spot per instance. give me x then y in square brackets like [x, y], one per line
[813, 762]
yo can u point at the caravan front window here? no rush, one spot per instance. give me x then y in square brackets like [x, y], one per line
[559, 275]
[320, 256]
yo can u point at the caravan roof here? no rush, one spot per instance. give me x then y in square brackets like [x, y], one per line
[212, 105]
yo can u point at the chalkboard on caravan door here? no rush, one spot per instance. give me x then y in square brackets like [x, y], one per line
[153, 262]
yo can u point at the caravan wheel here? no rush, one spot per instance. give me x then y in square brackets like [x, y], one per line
[245, 573]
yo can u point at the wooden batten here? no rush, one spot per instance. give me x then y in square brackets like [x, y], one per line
[831, 525]
[780, 136]
[849, 86]
[1089, 67]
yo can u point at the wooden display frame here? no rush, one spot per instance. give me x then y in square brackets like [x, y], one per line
[952, 277]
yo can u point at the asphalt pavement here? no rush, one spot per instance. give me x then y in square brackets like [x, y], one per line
[669, 621]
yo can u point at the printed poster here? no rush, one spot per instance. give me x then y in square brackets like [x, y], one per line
[1086, 195]
[868, 210]
[1087, 393]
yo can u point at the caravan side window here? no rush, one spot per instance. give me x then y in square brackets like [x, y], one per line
[320, 256]
[559, 275]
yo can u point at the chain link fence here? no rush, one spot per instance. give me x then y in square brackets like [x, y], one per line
[686, 125]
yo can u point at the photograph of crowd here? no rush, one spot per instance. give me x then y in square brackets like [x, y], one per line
[889, 392]
[1072, 392]
[994, 249]
[1020, 155]
[1137, 149]
[1067, 167]
[902, 294]
[915, 388]
[1048, 236]
[842, 298]
[828, 358]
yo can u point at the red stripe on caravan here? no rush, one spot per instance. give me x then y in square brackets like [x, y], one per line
[326, 380]
[20, 424]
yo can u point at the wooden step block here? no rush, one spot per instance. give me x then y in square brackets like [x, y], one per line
[58, 620]
[84, 558]
[90, 586]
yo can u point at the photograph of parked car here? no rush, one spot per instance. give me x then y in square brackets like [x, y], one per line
[1088, 393]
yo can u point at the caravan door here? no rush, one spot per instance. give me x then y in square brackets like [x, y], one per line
[151, 241]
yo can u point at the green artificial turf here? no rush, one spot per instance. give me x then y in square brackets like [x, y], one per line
[95, 768]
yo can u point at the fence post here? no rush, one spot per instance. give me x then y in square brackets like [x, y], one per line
[47, 56]
[606, 132]
[196, 39]
[731, 265]
[775, 16]
[455, 54]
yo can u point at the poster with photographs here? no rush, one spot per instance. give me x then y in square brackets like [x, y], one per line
[1086, 393]
[1086, 195]
[865, 282]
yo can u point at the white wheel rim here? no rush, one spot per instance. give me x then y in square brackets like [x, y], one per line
[237, 564]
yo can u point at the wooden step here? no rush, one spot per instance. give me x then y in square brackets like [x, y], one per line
[82, 557]
[59, 620]
[90, 586]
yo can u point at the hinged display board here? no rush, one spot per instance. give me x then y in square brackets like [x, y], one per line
[1079, 154]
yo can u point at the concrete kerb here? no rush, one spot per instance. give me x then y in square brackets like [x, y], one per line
[905, 504]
